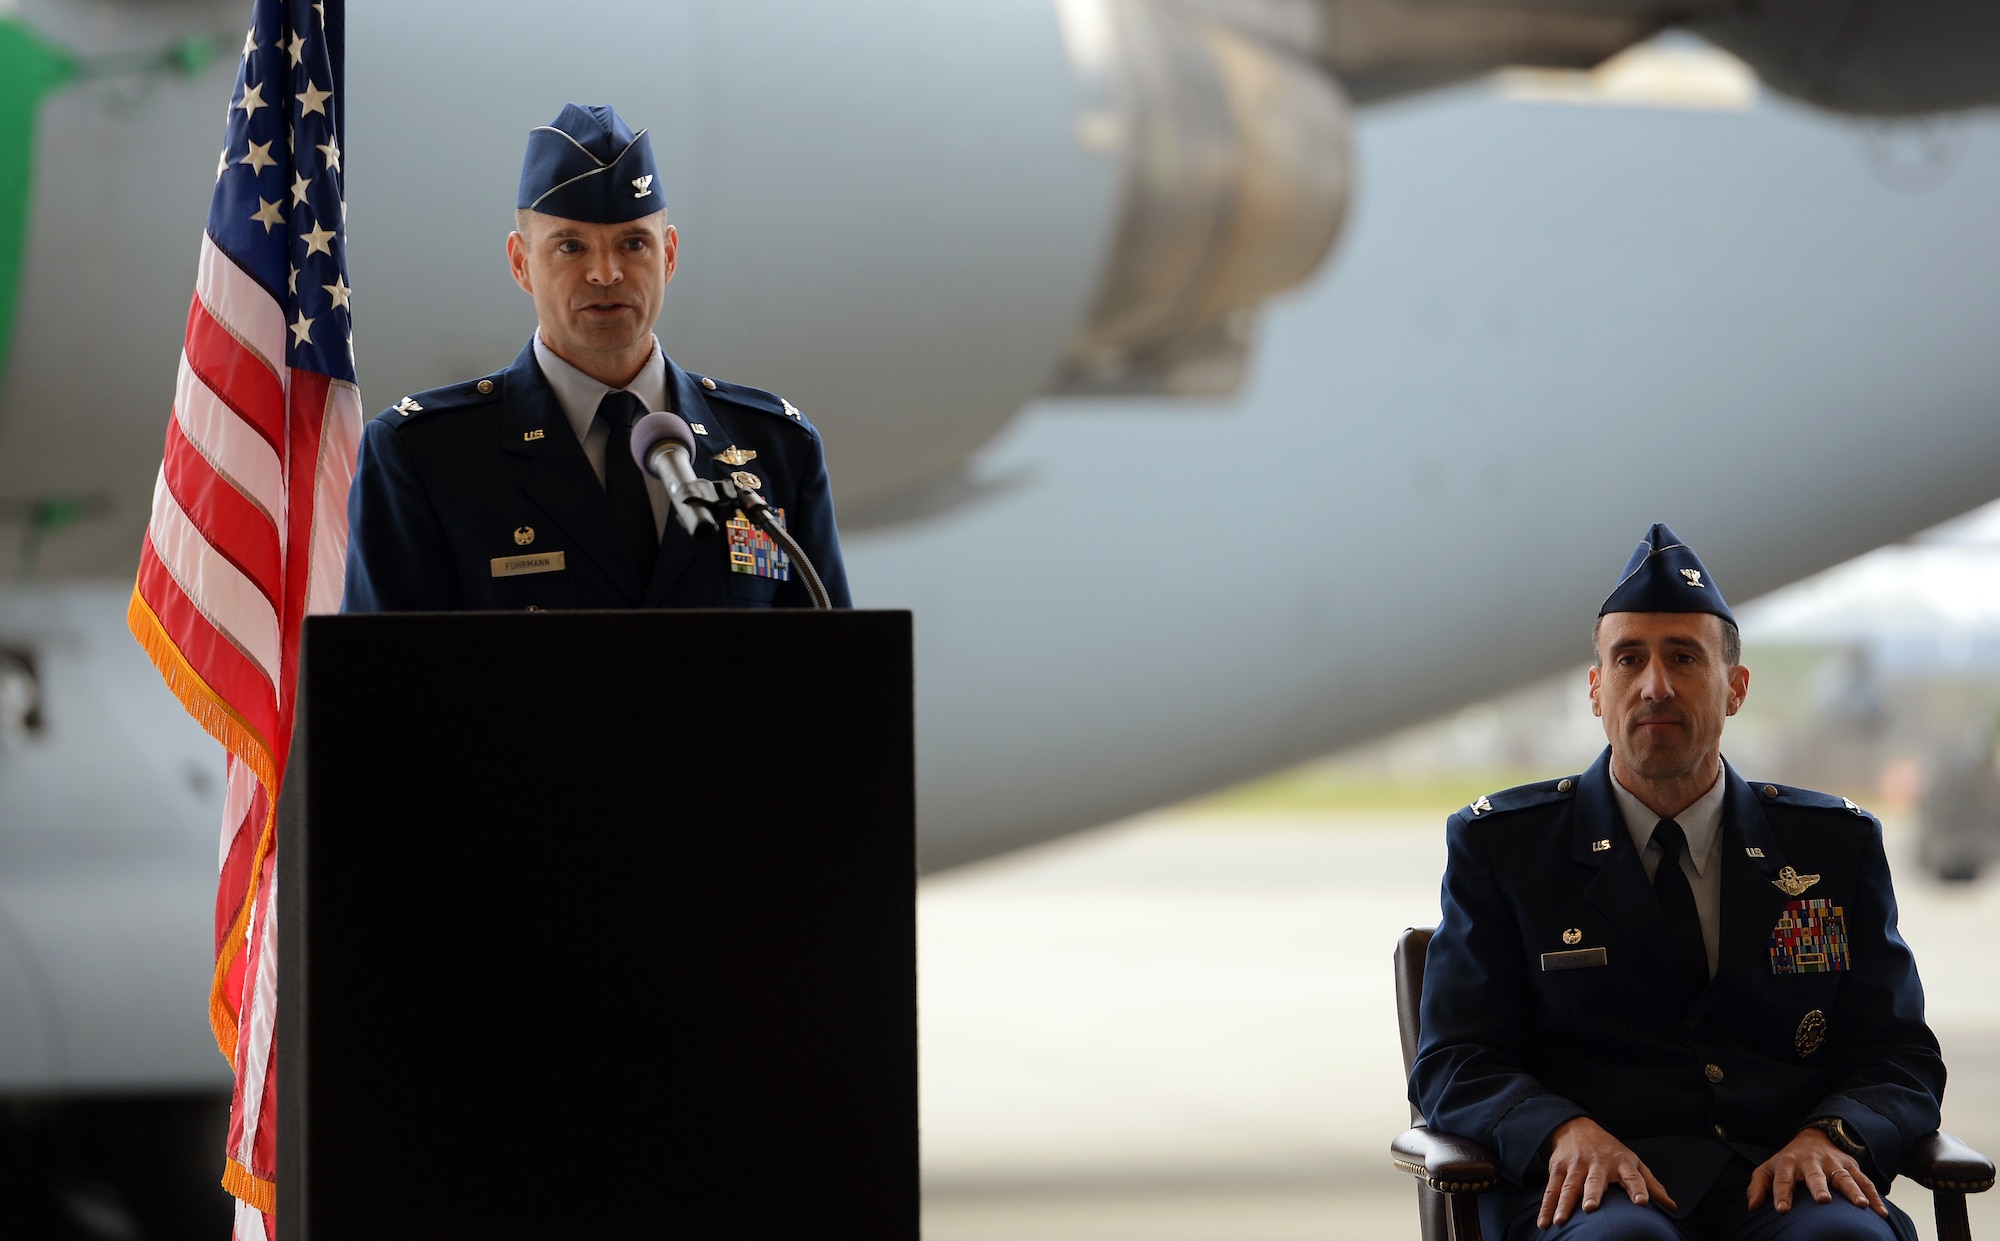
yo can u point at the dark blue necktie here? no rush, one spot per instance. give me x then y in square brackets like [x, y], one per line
[631, 507]
[1670, 885]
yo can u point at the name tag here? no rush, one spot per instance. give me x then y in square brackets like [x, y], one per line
[1581, 958]
[515, 566]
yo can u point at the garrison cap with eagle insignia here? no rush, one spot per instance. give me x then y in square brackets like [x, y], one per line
[1664, 575]
[588, 165]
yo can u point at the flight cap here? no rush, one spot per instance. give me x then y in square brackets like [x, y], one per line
[1664, 575]
[588, 165]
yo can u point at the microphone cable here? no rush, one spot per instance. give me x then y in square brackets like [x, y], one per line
[754, 507]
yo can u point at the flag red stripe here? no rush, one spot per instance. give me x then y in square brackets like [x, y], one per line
[233, 676]
[233, 885]
[236, 375]
[307, 415]
[236, 529]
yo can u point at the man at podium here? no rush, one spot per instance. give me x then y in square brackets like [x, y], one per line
[518, 490]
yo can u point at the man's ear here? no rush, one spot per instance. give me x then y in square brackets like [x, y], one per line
[517, 262]
[670, 250]
[1739, 687]
[1596, 707]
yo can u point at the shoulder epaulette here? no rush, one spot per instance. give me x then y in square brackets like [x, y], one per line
[751, 398]
[451, 396]
[1520, 797]
[1788, 795]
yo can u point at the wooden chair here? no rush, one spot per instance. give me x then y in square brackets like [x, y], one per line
[1452, 1171]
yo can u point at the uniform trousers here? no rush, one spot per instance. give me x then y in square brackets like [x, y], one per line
[1722, 1216]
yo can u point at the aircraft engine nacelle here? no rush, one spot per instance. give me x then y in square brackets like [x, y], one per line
[1237, 163]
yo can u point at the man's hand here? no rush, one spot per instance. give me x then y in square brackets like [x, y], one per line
[1812, 1158]
[1583, 1159]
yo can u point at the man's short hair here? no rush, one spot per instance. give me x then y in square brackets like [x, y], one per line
[1732, 643]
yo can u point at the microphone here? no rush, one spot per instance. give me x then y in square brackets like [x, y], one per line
[663, 445]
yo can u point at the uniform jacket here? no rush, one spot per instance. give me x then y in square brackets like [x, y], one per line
[461, 488]
[1795, 1024]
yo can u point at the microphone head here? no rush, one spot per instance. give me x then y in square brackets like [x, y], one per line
[655, 428]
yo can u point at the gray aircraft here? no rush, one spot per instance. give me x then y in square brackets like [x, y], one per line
[1176, 497]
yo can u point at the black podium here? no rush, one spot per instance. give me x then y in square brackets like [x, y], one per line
[599, 924]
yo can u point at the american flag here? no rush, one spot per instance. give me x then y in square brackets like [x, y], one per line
[249, 525]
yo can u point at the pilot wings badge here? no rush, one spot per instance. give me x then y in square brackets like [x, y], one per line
[1792, 883]
[733, 455]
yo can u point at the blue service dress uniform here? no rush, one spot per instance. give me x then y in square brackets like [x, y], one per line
[478, 496]
[1815, 1008]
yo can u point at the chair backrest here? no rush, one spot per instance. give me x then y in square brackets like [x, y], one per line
[1411, 950]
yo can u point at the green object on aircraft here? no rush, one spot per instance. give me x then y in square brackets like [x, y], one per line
[29, 69]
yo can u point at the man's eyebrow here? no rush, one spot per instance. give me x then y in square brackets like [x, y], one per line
[1674, 640]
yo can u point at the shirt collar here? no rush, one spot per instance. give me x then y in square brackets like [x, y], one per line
[1701, 823]
[578, 393]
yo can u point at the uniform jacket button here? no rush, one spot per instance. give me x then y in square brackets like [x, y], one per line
[1722, 1133]
[1713, 1072]
[485, 386]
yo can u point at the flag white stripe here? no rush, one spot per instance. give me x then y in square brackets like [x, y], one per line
[240, 786]
[218, 590]
[249, 1223]
[241, 305]
[259, 1018]
[339, 446]
[235, 449]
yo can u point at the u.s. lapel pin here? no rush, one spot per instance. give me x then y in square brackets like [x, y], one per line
[1753, 852]
[1792, 883]
[1600, 846]
[697, 428]
[532, 436]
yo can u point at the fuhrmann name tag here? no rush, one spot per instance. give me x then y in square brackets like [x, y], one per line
[515, 566]
[1581, 958]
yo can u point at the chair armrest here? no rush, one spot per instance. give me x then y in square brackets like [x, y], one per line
[1448, 1163]
[1941, 1161]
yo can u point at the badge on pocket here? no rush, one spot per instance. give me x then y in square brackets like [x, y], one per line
[1575, 959]
[1810, 938]
[752, 551]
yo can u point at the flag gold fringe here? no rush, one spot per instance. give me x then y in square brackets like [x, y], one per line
[242, 740]
[250, 1187]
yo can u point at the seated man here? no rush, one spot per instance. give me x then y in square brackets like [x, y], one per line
[1675, 1004]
